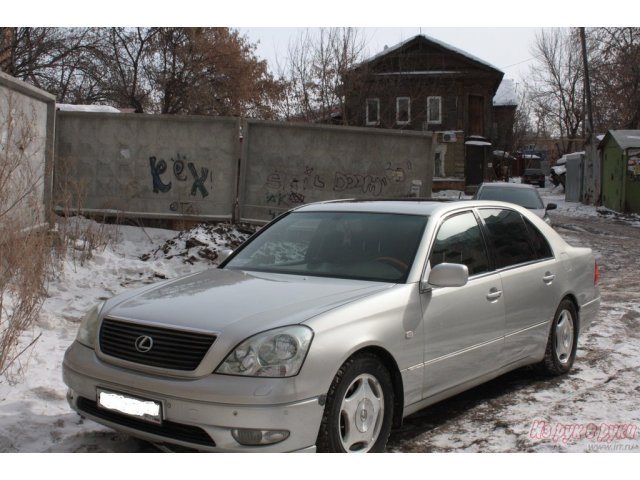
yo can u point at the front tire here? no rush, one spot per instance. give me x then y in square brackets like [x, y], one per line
[563, 340]
[359, 409]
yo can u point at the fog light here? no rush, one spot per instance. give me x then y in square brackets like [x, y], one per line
[251, 437]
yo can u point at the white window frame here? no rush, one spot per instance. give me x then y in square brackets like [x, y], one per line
[403, 122]
[377, 121]
[434, 122]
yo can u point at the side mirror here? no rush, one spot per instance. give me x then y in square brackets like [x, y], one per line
[448, 275]
[224, 254]
[551, 206]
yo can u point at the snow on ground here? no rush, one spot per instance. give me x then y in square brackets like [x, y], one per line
[34, 415]
[520, 411]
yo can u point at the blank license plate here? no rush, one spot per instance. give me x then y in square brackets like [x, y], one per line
[146, 410]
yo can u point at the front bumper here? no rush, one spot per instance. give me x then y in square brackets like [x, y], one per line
[200, 423]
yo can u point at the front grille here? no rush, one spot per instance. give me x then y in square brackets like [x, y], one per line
[173, 349]
[174, 431]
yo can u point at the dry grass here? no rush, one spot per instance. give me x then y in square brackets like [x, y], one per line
[25, 246]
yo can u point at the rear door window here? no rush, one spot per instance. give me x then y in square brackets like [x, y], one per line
[508, 237]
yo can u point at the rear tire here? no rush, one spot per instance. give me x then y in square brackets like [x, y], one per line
[563, 340]
[359, 409]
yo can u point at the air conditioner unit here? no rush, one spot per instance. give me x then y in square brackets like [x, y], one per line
[449, 137]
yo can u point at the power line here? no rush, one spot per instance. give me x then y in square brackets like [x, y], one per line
[523, 61]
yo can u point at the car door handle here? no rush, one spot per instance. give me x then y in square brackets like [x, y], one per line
[494, 294]
[548, 278]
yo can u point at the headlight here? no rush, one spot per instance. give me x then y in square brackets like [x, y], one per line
[275, 353]
[89, 326]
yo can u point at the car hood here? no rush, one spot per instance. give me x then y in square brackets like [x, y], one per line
[217, 300]
[541, 212]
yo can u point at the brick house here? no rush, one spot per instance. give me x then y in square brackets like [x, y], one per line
[425, 84]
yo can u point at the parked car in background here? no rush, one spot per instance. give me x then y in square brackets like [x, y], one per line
[533, 176]
[333, 323]
[524, 195]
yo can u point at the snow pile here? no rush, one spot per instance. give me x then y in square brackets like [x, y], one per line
[203, 242]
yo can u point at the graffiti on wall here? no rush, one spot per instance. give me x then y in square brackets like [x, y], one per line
[286, 189]
[182, 170]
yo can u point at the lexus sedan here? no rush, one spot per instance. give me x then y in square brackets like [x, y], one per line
[333, 323]
[524, 195]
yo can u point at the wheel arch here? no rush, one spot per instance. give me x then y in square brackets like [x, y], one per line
[572, 298]
[390, 364]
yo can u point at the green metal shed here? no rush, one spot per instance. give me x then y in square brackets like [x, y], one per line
[621, 170]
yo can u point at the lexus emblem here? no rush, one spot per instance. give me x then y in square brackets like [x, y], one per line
[144, 343]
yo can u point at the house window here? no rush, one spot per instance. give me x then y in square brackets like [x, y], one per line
[373, 111]
[434, 109]
[403, 110]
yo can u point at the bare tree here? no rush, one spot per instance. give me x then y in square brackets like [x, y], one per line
[314, 71]
[555, 86]
[122, 62]
[209, 71]
[615, 71]
[54, 59]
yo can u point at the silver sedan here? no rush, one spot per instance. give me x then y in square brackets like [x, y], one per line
[333, 323]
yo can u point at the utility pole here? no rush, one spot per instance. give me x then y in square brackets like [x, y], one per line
[587, 83]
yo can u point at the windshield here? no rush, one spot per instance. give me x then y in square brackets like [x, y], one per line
[356, 245]
[525, 197]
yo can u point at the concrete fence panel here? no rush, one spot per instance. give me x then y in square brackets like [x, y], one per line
[289, 164]
[147, 166]
[27, 117]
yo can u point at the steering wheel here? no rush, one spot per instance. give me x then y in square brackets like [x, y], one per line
[394, 262]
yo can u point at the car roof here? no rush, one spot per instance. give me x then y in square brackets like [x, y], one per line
[506, 185]
[409, 206]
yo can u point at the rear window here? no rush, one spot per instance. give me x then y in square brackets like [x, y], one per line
[525, 197]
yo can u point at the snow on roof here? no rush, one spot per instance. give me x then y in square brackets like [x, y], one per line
[506, 94]
[432, 40]
[67, 107]
[626, 138]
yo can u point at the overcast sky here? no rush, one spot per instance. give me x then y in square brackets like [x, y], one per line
[508, 49]
[500, 32]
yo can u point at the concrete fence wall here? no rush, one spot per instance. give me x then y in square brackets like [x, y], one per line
[27, 117]
[286, 165]
[147, 166]
[197, 168]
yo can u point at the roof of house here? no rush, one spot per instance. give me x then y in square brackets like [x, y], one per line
[506, 95]
[624, 138]
[424, 38]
